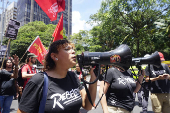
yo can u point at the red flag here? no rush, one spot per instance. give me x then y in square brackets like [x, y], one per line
[51, 7]
[58, 32]
[38, 49]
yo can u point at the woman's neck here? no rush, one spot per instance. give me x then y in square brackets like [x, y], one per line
[9, 69]
[57, 73]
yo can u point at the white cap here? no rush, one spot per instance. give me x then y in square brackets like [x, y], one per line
[147, 55]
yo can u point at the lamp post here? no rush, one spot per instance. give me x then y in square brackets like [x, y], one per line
[32, 11]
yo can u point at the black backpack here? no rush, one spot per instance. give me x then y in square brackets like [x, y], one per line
[20, 79]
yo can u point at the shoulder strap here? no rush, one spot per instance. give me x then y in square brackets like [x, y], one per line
[44, 95]
[165, 66]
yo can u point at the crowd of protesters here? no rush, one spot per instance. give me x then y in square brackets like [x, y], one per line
[64, 93]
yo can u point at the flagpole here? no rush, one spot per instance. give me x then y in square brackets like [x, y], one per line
[23, 56]
[5, 53]
[50, 43]
[27, 49]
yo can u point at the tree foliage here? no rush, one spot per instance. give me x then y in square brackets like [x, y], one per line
[131, 22]
[28, 33]
[81, 41]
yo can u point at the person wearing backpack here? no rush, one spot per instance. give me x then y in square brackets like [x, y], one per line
[7, 83]
[64, 92]
[27, 71]
[160, 86]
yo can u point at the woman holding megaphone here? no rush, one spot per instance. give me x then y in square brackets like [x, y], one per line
[118, 88]
[62, 92]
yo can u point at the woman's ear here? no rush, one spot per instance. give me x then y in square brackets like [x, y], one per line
[53, 56]
[29, 59]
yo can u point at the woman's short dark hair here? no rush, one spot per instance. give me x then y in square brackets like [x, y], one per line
[5, 61]
[54, 48]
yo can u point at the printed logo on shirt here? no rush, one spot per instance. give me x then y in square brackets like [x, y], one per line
[160, 72]
[113, 102]
[129, 80]
[66, 98]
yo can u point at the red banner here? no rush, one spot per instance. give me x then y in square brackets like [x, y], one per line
[51, 7]
[58, 32]
[38, 49]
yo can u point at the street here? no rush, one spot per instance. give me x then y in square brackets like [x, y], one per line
[137, 109]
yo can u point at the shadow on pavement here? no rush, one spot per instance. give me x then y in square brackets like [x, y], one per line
[12, 109]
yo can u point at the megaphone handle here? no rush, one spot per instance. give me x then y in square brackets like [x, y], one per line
[98, 75]
[139, 67]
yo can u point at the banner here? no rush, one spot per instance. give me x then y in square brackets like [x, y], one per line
[12, 29]
[58, 32]
[51, 7]
[2, 52]
[38, 49]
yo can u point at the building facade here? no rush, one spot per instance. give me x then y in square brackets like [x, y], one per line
[9, 12]
[24, 11]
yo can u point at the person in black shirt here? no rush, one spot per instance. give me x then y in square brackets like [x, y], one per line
[7, 83]
[118, 89]
[160, 86]
[65, 93]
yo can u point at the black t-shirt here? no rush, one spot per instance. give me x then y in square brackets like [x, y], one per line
[63, 94]
[118, 93]
[159, 86]
[7, 85]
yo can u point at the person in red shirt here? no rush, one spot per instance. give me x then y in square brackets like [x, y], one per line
[28, 70]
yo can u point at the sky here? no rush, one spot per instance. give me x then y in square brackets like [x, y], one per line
[81, 11]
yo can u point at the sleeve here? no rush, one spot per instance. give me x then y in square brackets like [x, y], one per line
[166, 68]
[109, 76]
[24, 69]
[31, 96]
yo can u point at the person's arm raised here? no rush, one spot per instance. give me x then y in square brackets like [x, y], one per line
[15, 61]
[92, 90]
